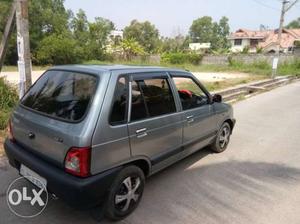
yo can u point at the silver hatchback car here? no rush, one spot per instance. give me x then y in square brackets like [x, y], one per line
[93, 133]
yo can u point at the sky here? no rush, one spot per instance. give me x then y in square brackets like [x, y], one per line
[173, 17]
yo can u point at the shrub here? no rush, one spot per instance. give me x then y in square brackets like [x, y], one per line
[261, 65]
[235, 63]
[58, 49]
[246, 50]
[8, 99]
[259, 50]
[182, 58]
[291, 68]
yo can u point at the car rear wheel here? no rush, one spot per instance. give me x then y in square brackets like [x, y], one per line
[126, 193]
[222, 139]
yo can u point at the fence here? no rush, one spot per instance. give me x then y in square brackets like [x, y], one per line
[223, 59]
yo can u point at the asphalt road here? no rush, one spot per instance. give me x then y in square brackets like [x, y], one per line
[257, 180]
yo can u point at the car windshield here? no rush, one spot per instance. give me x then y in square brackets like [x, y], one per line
[61, 94]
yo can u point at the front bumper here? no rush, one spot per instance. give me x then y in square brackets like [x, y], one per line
[80, 193]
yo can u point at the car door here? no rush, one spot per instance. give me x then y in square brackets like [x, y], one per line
[198, 113]
[155, 126]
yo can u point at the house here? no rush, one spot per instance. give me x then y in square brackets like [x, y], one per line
[198, 47]
[265, 40]
[114, 39]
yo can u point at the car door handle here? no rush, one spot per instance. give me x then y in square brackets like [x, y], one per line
[140, 130]
[142, 135]
[190, 119]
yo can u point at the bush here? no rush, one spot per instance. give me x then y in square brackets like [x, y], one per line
[259, 50]
[58, 49]
[246, 50]
[8, 99]
[261, 65]
[182, 58]
[291, 68]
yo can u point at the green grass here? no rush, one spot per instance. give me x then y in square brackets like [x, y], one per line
[257, 67]
[12, 68]
[8, 99]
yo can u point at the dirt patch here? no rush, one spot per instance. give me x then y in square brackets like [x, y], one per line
[219, 76]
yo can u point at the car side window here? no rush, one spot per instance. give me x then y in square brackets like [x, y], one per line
[151, 98]
[119, 108]
[191, 95]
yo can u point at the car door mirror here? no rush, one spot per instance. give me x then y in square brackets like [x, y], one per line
[217, 98]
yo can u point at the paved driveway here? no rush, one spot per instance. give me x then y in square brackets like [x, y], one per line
[257, 180]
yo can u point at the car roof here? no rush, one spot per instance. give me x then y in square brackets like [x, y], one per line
[96, 69]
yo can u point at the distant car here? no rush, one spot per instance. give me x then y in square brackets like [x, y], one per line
[93, 133]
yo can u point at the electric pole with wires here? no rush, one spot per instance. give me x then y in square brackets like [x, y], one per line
[286, 6]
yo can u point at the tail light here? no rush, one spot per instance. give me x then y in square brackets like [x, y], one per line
[10, 132]
[77, 161]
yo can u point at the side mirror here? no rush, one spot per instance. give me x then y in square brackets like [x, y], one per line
[217, 98]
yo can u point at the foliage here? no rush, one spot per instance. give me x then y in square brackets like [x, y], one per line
[8, 99]
[145, 33]
[131, 48]
[204, 30]
[80, 25]
[176, 44]
[182, 58]
[58, 49]
[292, 68]
[259, 50]
[98, 38]
[295, 24]
[245, 50]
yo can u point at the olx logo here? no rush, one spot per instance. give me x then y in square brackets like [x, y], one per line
[25, 199]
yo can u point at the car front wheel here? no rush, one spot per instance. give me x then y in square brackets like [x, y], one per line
[222, 139]
[126, 193]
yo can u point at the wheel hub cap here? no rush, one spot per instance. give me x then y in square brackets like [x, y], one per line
[130, 194]
[224, 137]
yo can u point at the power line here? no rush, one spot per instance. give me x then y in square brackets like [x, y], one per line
[265, 5]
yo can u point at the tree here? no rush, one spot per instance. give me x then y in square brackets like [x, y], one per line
[145, 33]
[295, 24]
[46, 17]
[223, 33]
[57, 49]
[4, 11]
[176, 44]
[11, 54]
[204, 30]
[98, 37]
[80, 27]
[131, 48]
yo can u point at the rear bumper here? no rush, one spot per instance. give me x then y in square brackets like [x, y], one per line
[80, 193]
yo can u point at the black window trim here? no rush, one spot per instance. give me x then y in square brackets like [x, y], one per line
[147, 76]
[127, 102]
[58, 118]
[198, 83]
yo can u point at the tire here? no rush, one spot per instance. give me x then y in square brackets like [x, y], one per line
[131, 177]
[222, 139]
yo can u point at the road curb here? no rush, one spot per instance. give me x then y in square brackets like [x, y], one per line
[234, 94]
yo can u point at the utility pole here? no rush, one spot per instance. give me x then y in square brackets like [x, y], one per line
[7, 32]
[285, 8]
[24, 62]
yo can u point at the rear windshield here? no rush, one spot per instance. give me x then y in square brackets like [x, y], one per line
[61, 94]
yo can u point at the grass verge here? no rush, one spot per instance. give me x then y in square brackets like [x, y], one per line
[257, 67]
